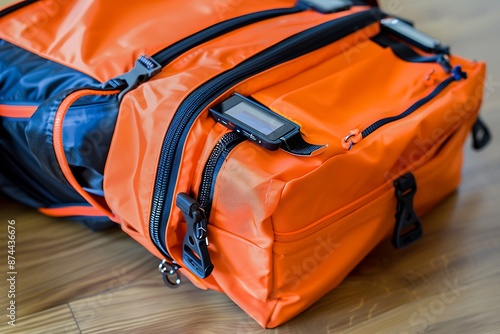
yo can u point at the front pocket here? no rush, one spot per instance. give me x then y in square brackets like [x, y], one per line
[316, 259]
[438, 174]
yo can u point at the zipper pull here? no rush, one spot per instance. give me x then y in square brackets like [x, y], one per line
[145, 68]
[458, 74]
[170, 273]
[195, 246]
[352, 139]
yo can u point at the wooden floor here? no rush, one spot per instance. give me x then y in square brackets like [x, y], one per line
[70, 280]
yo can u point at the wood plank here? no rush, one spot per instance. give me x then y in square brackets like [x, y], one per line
[58, 260]
[55, 320]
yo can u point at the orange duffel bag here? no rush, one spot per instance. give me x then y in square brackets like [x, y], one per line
[262, 149]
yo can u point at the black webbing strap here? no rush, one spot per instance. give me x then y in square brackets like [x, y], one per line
[298, 146]
[402, 50]
[406, 53]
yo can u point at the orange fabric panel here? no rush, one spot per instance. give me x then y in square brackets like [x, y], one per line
[104, 38]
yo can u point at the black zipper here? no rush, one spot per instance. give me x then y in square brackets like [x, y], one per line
[355, 135]
[170, 53]
[214, 163]
[288, 49]
[146, 67]
[14, 7]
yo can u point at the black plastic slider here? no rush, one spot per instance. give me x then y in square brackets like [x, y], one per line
[195, 245]
[145, 68]
[408, 228]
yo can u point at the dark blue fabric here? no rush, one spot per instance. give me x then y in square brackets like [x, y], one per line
[28, 78]
[29, 172]
[88, 129]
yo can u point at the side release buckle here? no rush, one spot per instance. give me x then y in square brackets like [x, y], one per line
[195, 246]
[408, 228]
[145, 68]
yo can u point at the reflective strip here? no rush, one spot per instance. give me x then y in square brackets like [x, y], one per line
[17, 111]
[71, 211]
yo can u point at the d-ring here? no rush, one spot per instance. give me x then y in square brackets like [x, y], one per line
[170, 274]
[347, 139]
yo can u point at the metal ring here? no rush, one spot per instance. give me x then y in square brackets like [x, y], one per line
[347, 139]
[172, 281]
[170, 274]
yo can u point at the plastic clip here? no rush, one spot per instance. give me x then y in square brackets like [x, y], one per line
[145, 68]
[195, 246]
[408, 228]
[481, 135]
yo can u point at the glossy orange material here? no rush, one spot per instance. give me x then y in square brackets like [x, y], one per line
[71, 211]
[112, 35]
[284, 230]
[16, 111]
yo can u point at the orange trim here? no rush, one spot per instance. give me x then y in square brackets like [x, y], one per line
[96, 201]
[17, 111]
[71, 211]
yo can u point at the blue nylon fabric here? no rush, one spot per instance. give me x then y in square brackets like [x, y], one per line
[28, 168]
[88, 129]
[28, 78]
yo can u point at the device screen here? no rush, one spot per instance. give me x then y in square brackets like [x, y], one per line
[254, 118]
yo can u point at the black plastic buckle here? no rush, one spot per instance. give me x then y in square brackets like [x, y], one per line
[408, 228]
[145, 68]
[481, 135]
[195, 246]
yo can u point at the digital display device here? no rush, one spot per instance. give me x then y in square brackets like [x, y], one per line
[408, 33]
[255, 118]
[254, 121]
